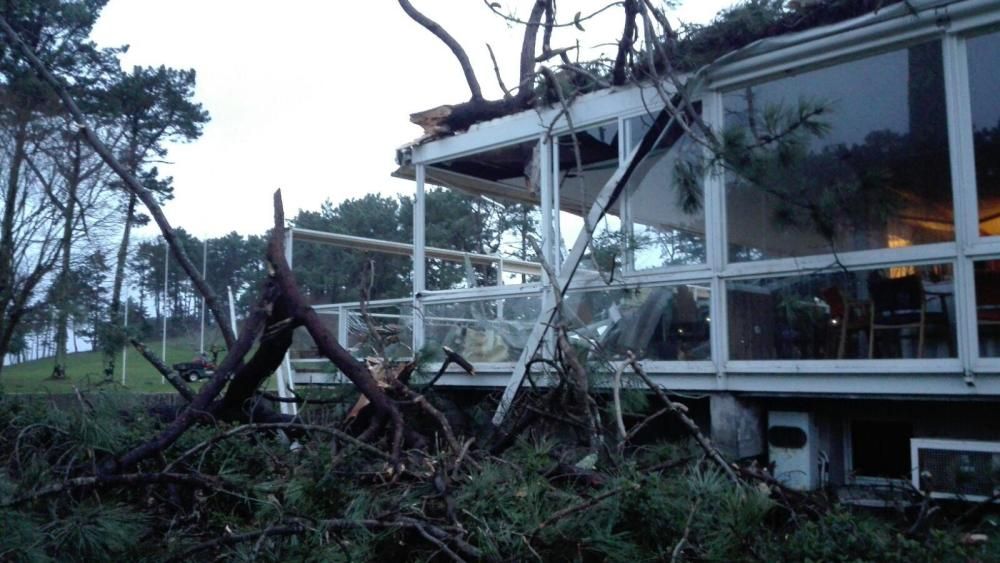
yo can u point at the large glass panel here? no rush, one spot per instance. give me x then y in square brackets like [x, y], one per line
[984, 86]
[901, 312]
[988, 307]
[655, 323]
[486, 330]
[850, 157]
[666, 201]
[586, 161]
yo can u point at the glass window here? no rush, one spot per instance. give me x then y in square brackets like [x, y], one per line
[988, 307]
[901, 312]
[984, 86]
[665, 201]
[487, 330]
[655, 323]
[850, 157]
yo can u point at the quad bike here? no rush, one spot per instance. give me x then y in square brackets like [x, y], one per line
[201, 367]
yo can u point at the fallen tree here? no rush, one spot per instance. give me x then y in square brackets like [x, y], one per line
[404, 473]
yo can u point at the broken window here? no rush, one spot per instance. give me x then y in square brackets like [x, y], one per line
[587, 159]
[666, 200]
[482, 330]
[669, 323]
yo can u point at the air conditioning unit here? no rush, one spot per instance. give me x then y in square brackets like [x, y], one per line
[793, 448]
[959, 469]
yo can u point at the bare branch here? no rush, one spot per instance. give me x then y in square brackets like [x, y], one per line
[354, 370]
[496, 70]
[679, 411]
[456, 48]
[172, 376]
[117, 480]
[577, 18]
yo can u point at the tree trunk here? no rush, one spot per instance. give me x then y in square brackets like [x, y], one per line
[62, 293]
[116, 291]
[7, 273]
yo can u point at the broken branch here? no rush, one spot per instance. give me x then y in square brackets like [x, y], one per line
[679, 412]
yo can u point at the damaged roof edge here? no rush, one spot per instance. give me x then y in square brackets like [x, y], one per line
[764, 56]
[587, 109]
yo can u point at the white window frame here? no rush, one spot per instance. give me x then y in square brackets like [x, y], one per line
[951, 24]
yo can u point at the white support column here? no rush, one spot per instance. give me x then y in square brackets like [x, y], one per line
[628, 229]
[966, 212]
[342, 326]
[553, 175]
[716, 248]
[285, 377]
[419, 257]
[548, 152]
[500, 302]
[545, 196]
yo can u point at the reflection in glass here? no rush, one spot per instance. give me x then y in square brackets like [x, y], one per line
[850, 157]
[668, 215]
[489, 330]
[655, 323]
[984, 84]
[904, 312]
[988, 307]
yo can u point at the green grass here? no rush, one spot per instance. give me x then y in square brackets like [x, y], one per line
[85, 369]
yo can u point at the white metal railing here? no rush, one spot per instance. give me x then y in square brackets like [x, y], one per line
[503, 263]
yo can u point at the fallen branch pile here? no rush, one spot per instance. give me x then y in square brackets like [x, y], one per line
[406, 473]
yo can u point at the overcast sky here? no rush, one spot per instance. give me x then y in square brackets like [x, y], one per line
[314, 96]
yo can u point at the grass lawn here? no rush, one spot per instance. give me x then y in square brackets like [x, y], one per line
[85, 369]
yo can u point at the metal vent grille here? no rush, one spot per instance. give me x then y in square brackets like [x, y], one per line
[959, 469]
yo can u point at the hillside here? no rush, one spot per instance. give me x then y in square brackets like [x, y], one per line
[85, 369]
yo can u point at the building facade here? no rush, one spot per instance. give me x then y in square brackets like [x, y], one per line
[831, 285]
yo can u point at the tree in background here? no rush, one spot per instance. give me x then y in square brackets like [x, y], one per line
[153, 106]
[233, 262]
[330, 274]
[42, 185]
